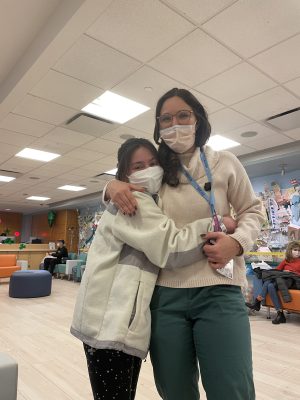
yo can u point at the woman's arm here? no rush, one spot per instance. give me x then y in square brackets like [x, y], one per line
[249, 211]
[153, 233]
[120, 193]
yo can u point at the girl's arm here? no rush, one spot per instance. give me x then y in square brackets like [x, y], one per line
[153, 233]
[281, 266]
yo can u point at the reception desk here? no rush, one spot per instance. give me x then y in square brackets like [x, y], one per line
[33, 253]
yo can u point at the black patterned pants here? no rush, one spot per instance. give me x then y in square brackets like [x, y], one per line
[113, 374]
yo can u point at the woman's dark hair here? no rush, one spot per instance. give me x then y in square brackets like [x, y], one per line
[125, 154]
[291, 246]
[168, 159]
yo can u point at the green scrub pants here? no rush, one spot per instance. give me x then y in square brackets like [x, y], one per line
[204, 328]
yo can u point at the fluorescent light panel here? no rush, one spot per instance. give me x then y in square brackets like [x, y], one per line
[38, 198]
[6, 178]
[115, 108]
[71, 188]
[218, 142]
[37, 155]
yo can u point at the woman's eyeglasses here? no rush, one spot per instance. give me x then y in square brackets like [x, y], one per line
[182, 117]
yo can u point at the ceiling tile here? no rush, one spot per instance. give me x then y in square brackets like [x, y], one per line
[83, 154]
[281, 62]
[236, 84]
[262, 131]
[67, 136]
[294, 86]
[10, 137]
[277, 140]
[227, 119]
[43, 110]
[103, 146]
[294, 134]
[250, 26]
[143, 123]
[241, 150]
[199, 10]
[9, 149]
[19, 165]
[194, 59]
[28, 126]
[135, 87]
[139, 30]
[96, 63]
[267, 104]
[47, 144]
[209, 104]
[65, 90]
[115, 135]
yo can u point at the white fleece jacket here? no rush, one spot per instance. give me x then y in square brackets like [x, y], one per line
[112, 307]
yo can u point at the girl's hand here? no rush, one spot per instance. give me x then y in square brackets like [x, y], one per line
[230, 223]
[222, 249]
[120, 194]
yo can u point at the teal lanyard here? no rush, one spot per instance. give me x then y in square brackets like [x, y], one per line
[211, 198]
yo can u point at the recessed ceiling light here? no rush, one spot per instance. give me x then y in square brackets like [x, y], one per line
[111, 171]
[8, 209]
[6, 178]
[114, 107]
[249, 134]
[37, 155]
[38, 198]
[71, 188]
[218, 142]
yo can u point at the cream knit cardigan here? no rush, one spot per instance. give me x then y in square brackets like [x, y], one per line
[183, 204]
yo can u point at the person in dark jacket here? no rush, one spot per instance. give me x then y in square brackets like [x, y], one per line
[55, 257]
[291, 264]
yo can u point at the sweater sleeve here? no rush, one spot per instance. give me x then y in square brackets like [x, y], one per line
[153, 233]
[281, 266]
[247, 206]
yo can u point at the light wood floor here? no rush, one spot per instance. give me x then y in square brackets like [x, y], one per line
[52, 364]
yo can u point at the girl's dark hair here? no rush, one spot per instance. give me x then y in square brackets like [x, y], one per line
[125, 154]
[291, 246]
[168, 159]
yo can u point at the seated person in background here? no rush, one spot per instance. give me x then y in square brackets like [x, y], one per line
[291, 263]
[55, 257]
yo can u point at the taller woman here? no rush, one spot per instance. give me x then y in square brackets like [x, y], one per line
[199, 320]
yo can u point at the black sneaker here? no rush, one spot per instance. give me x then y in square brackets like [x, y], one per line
[279, 319]
[254, 306]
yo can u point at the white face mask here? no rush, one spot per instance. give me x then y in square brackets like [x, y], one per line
[149, 178]
[179, 138]
[295, 253]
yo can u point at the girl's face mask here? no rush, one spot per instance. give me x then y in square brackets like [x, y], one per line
[180, 138]
[149, 178]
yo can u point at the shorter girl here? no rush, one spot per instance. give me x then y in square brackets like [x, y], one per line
[291, 263]
[112, 315]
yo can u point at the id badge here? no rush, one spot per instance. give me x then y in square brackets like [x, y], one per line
[227, 271]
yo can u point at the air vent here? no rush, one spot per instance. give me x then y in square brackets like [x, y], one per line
[90, 125]
[286, 121]
[6, 172]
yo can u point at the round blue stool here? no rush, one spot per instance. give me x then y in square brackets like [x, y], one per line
[25, 284]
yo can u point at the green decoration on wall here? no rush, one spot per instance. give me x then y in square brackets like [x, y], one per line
[22, 246]
[51, 217]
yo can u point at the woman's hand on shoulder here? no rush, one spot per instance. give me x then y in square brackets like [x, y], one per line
[120, 193]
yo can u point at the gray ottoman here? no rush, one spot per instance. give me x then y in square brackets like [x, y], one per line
[8, 377]
[30, 284]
